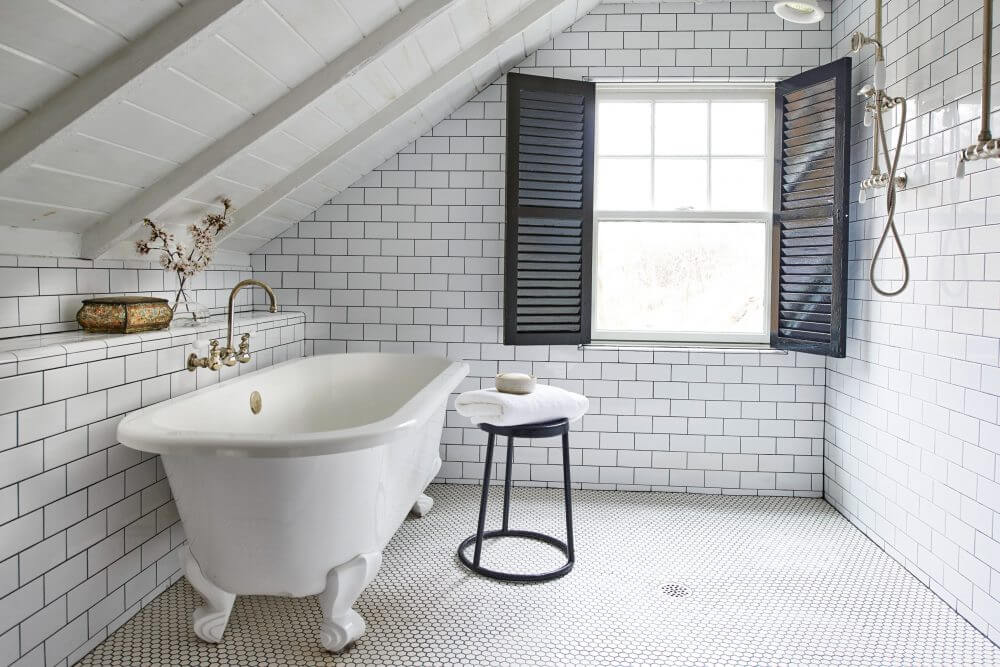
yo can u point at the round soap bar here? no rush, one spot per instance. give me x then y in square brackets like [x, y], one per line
[515, 383]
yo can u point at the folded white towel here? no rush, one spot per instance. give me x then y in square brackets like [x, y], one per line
[544, 404]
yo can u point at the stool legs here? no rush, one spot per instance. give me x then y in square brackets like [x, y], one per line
[569, 500]
[540, 430]
[485, 499]
[507, 482]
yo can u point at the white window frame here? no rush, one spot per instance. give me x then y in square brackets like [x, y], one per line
[668, 91]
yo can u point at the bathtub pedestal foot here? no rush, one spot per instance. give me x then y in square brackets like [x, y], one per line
[342, 625]
[423, 505]
[210, 620]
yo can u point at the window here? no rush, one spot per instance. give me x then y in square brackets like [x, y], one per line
[644, 213]
[683, 214]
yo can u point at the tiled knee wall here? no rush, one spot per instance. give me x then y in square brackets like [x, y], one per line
[88, 529]
[409, 259]
[912, 413]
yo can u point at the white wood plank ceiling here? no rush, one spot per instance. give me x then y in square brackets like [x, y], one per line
[115, 110]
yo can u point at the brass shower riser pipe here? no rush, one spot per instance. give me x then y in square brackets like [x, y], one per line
[981, 151]
[986, 146]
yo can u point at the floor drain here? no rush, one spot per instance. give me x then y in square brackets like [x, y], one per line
[676, 590]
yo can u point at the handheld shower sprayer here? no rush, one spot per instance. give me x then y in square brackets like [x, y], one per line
[877, 101]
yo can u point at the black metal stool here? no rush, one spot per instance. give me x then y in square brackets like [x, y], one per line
[541, 430]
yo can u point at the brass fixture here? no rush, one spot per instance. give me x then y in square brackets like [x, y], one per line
[212, 362]
[881, 181]
[229, 355]
[255, 403]
[877, 102]
[860, 40]
[986, 146]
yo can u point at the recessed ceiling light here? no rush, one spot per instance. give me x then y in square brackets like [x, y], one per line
[799, 11]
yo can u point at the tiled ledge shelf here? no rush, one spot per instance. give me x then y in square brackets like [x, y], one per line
[28, 354]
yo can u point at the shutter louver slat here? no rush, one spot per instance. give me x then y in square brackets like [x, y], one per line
[550, 144]
[795, 124]
[812, 138]
[812, 114]
[809, 91]
[813, 125]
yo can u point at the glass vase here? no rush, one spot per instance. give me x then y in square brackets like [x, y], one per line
[187, 312]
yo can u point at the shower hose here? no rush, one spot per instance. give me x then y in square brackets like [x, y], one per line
[890, 194]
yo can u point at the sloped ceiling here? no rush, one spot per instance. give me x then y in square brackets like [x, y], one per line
[116, 110]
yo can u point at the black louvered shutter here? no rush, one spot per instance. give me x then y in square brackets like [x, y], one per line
[550, 193]
[809, 230]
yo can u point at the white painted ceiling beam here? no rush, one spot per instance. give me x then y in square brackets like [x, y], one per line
[394, 111]
[105, 235]
[182, 29]
[41, 242]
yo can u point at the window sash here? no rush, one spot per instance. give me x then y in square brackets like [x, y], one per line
[669, 92]
[610, 336]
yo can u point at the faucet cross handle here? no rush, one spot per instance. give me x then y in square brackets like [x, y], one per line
[244, 355]
[213, 355]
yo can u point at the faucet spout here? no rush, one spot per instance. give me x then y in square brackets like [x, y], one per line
[230, 351]
[229, 355]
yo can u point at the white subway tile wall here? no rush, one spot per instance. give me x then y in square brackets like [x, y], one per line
[410, 259]
[88, 529]
[40, 295]
[912, 430]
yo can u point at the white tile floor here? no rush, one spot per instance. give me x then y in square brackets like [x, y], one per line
[762, 581]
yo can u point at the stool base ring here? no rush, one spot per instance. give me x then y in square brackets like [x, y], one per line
[516, 576]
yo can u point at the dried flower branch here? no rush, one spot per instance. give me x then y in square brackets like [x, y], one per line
[178, 258]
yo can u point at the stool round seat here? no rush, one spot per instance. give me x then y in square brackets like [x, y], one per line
[539, 430]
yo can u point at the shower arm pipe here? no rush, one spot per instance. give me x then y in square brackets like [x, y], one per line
[986, 146]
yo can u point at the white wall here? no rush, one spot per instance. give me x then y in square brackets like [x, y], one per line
[912, 423]
[88, 528]
[409, 259]
[40, 295]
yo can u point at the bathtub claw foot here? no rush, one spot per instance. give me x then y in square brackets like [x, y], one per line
[423, 505]
[342, 625]
[211, 619]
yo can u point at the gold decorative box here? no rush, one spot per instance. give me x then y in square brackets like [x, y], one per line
[124, 314]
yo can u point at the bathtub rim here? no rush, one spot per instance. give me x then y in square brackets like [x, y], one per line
[139, 432]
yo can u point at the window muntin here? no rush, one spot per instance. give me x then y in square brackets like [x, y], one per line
[683, 195]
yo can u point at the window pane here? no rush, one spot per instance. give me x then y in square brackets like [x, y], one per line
[624, 128]
[623, 184]
[681, 184]
[738, 128]
[682, 128]
[680, 277]
[738, 184]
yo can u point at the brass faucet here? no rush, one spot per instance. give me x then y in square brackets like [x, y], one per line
[229, 355]
[211, 362]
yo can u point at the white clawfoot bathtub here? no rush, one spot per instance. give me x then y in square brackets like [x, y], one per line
[300, 497]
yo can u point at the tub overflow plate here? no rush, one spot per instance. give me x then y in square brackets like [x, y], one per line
[255, 402]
